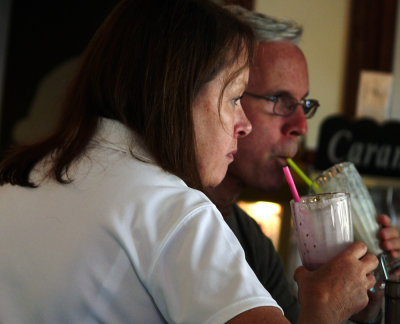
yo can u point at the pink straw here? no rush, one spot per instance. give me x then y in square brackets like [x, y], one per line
[292, 186]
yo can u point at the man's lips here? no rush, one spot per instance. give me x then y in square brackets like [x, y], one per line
[282, 160]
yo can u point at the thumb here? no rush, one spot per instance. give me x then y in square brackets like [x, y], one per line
[299, 273]
[356, 249]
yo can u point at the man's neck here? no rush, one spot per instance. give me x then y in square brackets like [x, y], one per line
[226, 194]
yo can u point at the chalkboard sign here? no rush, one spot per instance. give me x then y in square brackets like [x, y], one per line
[373, 148]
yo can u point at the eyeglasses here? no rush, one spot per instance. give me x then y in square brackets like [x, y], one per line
[285, 105]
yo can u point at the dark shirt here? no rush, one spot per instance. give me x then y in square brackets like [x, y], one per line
[264, 260]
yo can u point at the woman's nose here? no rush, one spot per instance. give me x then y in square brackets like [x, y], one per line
[243, 126]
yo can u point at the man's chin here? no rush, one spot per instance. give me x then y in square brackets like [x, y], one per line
[269, 183]
[270, 187]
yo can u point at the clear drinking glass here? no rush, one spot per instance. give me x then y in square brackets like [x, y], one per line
[344, 177]
[323, 225]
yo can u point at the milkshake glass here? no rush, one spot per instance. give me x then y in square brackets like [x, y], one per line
[323, 225]
[344, 177]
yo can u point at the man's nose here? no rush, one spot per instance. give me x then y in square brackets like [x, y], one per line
[296, 124]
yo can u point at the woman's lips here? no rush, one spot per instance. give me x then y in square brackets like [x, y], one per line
[231, 155]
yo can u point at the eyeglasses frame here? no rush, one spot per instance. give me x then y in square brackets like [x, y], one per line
[274, 99]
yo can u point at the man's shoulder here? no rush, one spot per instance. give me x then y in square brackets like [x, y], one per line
[241, 218]
[245, 227]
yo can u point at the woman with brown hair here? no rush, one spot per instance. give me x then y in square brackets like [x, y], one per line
[105, 221]
[101, 221]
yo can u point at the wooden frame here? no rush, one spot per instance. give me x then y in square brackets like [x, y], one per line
[370, 44]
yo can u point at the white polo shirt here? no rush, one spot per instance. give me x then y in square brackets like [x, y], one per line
[125, 242]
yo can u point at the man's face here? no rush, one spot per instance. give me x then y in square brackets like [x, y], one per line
[280, 68]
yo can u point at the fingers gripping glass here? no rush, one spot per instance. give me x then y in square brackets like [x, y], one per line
[285, 106]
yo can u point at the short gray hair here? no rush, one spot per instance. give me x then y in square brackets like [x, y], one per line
[267, 28]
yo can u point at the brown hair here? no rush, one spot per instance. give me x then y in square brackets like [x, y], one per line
[143, 67]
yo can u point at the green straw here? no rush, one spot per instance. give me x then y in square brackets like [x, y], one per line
[302, 175]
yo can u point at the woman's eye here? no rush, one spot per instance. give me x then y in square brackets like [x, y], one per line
[237, 100]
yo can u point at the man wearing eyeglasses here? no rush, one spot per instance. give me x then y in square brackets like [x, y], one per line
[276, 103]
